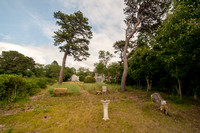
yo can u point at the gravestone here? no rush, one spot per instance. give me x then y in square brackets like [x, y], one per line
[104, 89]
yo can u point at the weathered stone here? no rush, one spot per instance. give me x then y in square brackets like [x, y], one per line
[104, 89]
[105, 109]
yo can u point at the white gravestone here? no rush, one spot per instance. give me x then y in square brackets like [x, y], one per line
[104, 89]
[105, 109]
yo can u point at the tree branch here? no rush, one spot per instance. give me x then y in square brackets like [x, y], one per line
[131, 51]
[135, 26]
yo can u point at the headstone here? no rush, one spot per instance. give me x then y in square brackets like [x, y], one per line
[105, 109]
[156, 97]
[104, 89]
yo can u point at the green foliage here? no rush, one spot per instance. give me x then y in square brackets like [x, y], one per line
[114, 71]
[68, 73]
[15, 87]
[52, 70]
[105, 57]
[50, 91]
[100, 68]
[89, 79]
[72, 89]
[12, 62]
[83, 72]
[31, 86]
[175, 98]
[73, 35]
[11, 87]
[177, 42]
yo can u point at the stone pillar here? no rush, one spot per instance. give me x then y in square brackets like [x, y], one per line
[105, 109]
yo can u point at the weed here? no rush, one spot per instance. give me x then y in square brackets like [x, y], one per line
[46, 110]
[9, 130]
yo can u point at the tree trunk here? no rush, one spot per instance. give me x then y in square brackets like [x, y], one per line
[123, 81]
[108, 76]
[125, 55]
[179, 88]
[149, 84]
[62, 69]
[195, 96]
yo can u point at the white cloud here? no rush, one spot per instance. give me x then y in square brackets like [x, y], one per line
[105, 16]
[47, 27]
[45, 54]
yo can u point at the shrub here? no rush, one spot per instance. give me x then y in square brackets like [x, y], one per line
[31, 86]
[89, 79]
[41, 82]
[49, 81]
[12, 87]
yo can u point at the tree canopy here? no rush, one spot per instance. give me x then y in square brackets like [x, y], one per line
[15, 62]
[72, 37]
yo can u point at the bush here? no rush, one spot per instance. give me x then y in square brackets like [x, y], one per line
[11, 87]
[14, 87]
[41, 82]
[89, 79]
[32, 86]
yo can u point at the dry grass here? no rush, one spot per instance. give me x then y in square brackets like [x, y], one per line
[128, 112]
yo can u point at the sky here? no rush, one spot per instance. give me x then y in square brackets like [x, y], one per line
[27, 26]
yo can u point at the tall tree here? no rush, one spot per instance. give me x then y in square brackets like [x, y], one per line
[119, 48]
[114, 70]
[179, 40]
[72, 37]
[142, 15]
[100, 68]
[105, 57]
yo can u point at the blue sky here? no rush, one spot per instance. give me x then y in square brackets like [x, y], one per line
[27, 26]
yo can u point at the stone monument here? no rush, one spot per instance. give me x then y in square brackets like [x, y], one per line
[105, 109]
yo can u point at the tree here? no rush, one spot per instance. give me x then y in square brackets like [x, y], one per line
[105, 57]
[114, 70]
[178, 40]
[100, 68]
[83, 72]
[145, 63]
[68, 73]
[72, 37]
[142, 15]
[119, 48]
[52, 70]
[39, 70]
[14, 62]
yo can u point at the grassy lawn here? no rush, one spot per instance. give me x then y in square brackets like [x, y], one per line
[82, 111]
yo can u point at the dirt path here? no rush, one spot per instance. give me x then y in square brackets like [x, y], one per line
[84, 92]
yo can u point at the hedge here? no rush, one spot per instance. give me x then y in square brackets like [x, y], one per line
[13, 87]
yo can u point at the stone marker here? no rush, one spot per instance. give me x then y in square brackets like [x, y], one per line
[104, 89]
[105, 109]
[156, 97]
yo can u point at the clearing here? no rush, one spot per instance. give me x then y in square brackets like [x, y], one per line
[81, 111]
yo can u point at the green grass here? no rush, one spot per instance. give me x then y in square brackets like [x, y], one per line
[128, 112]
[72, 89]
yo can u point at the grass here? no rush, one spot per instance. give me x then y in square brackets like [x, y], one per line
[72, 89]
[128, 112]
